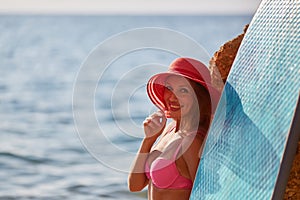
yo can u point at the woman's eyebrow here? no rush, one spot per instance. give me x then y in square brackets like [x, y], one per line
[185, 85]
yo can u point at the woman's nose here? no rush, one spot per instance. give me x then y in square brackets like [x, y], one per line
[173, 97]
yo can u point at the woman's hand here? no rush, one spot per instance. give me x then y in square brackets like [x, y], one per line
[154, 124]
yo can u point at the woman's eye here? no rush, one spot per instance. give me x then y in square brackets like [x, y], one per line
[184, 90]
[169, 88]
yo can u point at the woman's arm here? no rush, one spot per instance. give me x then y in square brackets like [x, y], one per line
[153, 127]
[137, 179]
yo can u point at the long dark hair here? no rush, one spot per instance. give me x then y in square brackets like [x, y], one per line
[204, 107]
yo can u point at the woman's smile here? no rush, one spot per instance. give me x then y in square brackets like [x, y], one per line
[174, 107]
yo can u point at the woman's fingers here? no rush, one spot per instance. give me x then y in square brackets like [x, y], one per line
[155, 123]
[152, 126]
[147, 121]
[157, 118]
[151, 122]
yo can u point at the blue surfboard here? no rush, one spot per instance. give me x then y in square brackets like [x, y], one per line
[254, 134]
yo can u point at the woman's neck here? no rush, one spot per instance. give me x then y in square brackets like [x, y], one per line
[183, 126]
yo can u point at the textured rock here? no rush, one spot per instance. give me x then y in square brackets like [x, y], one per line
[222, 60]
[292, 191]
[220, 65]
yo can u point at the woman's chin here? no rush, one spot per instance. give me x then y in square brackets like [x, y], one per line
[170, 114]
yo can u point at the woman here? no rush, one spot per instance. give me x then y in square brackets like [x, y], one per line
[168, 157]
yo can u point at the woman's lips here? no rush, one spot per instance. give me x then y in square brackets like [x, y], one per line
[174, 108]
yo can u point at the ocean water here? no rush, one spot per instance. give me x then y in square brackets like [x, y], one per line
[42, 152]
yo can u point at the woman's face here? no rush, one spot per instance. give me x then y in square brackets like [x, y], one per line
[179, 97]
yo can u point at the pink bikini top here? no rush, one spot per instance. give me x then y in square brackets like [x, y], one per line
[164, 174]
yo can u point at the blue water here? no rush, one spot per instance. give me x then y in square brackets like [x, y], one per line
[41, 154]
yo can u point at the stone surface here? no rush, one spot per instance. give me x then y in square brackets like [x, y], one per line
[222, 60]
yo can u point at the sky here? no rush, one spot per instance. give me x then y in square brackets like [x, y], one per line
[155, 7]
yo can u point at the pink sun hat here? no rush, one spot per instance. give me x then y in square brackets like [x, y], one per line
[184, 67]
